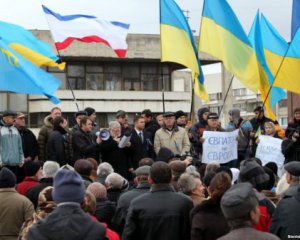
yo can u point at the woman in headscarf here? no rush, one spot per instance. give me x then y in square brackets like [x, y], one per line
[45, 206]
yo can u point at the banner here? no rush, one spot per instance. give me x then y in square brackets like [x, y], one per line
[219, 146]
[269, 150]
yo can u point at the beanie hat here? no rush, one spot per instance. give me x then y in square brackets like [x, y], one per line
[80, 113]
[252, 172]
[97, 189]
[68, 187]
[179, 113]
[238, 201]
[164, 154]
[89, 111]
[7, 178]
[31, 168]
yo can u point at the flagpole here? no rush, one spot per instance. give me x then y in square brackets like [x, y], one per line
[275, 77]
[161, 66]
[226, 95]
[60, 58]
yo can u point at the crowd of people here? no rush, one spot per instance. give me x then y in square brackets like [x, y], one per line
[145, 180]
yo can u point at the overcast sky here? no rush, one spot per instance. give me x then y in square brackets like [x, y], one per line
[143, 15]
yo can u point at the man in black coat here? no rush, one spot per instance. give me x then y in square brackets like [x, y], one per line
[50, 168]
[151, 126]
[160, 214]
[141, 143]
[68, 220]
[58, 143]
[286, 219]
[84, 145]
[141, 179]
[29, 142]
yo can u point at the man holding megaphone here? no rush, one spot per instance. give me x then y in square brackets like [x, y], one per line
[84, 145]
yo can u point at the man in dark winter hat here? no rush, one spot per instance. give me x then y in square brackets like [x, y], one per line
[68, 220]
[14, 208]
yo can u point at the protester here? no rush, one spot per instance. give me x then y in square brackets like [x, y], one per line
[160, 120]
[91, 114]
[191, 185]
[291, 146]
[208, 221]
[89, 206]
[286, 221]
[245, 129]
[104, 169]
[45, 206]
[151, 126]
[240, 208]
[268, 187]
[84, 144]
[68, 220]
[58, 144]
[146, 162]
[181, 118]
[258, 125]
[292, 178]
[171, 136]
[94, 163]
[84, 168]
[78, 116]
[165, 155]
[46, 130]
[177, 167]
[122, 119]
[118, 157]
[33, 173]
[254, 174]
[160, 214]
[197, 131]
[105, 209]
[29, 142]
[114, 183]
[14, 208]
[142, 186]
[141, 142]
[11, 151]
[50, 168]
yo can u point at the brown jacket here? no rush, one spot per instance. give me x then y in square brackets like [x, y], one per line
[14, 210]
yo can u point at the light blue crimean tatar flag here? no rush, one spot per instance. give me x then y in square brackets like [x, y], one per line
[19, 75]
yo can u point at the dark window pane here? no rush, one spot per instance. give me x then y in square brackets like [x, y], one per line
[95, 81]
[77, 83]
[112, 81]
[76, 71]
[94, 69]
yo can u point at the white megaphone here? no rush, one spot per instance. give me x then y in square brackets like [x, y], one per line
[104, 134]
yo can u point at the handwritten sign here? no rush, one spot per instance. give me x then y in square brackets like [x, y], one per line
[219, 146]
[269, 150]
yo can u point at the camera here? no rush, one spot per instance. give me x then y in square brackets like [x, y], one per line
[103, 134]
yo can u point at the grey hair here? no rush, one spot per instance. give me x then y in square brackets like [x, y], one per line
[50, 168]
[192, 170]
[186, 183]
[104, 169]
[212, 167]
[113, 124]
[114, 180]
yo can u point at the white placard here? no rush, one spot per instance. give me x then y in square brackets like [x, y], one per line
[269, 150]
[219, 146]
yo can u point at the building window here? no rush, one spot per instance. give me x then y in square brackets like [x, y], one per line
[215, 96]
[94, 77]
[112, 77]
[76, 76]
[131, 76]
[284, 121]
[149, 77]
[60, 75]
[283, 103]
[239, 92]
[215, 109]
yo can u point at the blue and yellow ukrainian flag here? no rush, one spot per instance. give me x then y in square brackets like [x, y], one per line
[223, 37]
[288, 75]
[26, 44]
[270, 96]
[177, 43]
[17, 74]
